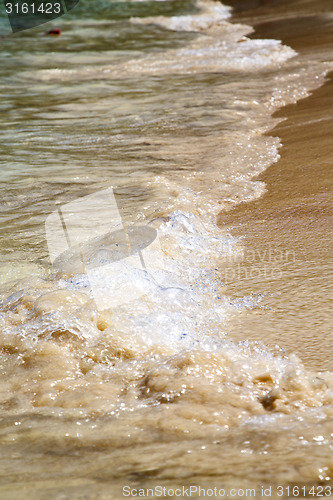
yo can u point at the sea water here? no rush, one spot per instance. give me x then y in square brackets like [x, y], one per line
[170, 105]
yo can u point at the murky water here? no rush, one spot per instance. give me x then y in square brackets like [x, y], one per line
[199, 378]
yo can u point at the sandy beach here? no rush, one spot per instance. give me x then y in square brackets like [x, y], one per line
[201, 358]
[291, 225]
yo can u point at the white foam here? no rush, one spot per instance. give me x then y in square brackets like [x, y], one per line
[210, 14]
[170, 302]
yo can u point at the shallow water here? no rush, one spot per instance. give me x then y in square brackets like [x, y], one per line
[190, 376]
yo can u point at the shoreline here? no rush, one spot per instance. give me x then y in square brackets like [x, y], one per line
[294, 215]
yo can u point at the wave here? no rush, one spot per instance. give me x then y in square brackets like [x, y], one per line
[165, 360]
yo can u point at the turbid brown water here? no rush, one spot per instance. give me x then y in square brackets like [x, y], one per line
[158, 392]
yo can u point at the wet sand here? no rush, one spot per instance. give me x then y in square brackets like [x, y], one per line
[88, 407]
[288, 231]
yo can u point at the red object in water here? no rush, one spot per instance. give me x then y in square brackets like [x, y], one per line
[54, 31]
